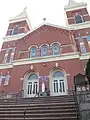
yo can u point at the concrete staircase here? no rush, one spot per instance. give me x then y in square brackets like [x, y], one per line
[39, 108]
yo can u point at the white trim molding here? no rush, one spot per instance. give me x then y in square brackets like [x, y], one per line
[85, 56]
[6, 66]
[67, 56]
[13, 37]
[75, 6]
[80, 25]
[46, 59]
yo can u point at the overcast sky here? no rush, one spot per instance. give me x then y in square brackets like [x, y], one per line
[52, 10]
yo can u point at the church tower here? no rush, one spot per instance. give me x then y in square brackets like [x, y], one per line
[76, 14]
[18, 26]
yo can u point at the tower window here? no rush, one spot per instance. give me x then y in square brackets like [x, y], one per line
[88, 38]
[83, 49]
[12, 55]
[15, 30]
[78, 18]
[6, 55]
[7, 79]
[0, 79]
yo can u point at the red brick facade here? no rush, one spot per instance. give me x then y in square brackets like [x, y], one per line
[70, 59]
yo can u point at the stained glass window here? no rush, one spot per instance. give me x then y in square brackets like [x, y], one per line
[33, 52]
[55, 49]
[44, 50]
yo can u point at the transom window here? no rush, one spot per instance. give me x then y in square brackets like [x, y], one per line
[33, 77]
[44, 50]
[78, 18]
[58, 74]
[33, 52]
[55, 49]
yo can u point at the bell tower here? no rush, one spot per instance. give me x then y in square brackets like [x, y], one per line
[76, 13]
[18, 26]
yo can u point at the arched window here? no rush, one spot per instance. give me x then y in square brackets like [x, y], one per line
[32, 84]
[33, 52]
[78, 18]
[33, 77]
[55, 49]
[15, 30]
[58, 82]
[44, 50]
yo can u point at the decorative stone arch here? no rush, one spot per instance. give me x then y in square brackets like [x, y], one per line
[43, 45]
[54, 43]
[31, 84]
[58, 80]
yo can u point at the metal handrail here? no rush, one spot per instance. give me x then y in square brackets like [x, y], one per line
[29, 105]
[77, 105]
[18, 94]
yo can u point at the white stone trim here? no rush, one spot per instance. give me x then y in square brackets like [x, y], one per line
[85, 56]
[75, 6]
[6, 66]
[26, 61]
[56, 43]
[80, 25]
[13, 37]
[46, 59]
[33, 46]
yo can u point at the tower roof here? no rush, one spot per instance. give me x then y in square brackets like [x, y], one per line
[71, 2]
[19, 17]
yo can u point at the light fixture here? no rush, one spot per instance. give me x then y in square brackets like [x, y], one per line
[56, 64]
[31, 67]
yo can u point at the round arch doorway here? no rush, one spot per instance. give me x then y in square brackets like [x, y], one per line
[31, 85]
[58, 83]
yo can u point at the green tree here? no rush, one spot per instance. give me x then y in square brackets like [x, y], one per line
[87, 71]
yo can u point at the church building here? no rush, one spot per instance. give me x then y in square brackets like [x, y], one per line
[48, 56]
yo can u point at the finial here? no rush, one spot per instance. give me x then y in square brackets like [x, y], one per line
[44, 19]
[25, 8]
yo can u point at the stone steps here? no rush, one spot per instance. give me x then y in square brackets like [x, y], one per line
[47, 108]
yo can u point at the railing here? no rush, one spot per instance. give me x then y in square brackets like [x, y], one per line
[9, 96]
[77, 105]
[25, 111]
[84, 104]
[82, 100]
